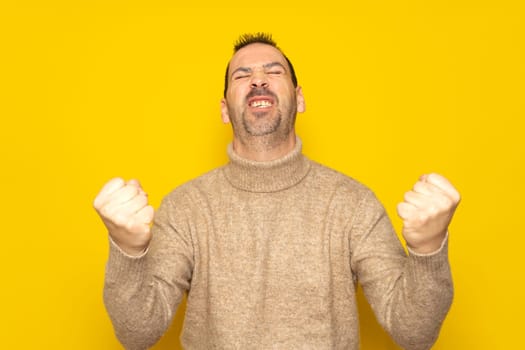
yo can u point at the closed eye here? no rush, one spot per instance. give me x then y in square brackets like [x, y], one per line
[241, 72]
[237, 77]
[274, 68]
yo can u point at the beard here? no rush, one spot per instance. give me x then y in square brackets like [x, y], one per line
[264, 123]
[261, 127]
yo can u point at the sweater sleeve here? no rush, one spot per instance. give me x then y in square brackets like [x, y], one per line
[141, 294]
[410, 295]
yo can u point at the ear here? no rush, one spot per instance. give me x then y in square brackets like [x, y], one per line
[225, 114]
[301, 106]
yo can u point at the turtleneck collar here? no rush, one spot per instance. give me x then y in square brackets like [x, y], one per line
[271, 176]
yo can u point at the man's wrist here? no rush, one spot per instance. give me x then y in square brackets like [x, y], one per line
[429, 248]
[132, 252]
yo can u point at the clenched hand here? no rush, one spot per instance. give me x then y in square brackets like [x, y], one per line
[124, 209]
[427, 211]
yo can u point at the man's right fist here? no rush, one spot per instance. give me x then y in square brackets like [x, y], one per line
[123, 207]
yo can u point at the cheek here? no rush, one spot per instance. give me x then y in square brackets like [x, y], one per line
[283, 89]
[235, 104]
[236, 96]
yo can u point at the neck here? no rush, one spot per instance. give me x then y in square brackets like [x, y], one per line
[270, 176]
[264, 149]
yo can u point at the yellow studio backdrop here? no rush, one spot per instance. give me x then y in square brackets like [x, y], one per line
[91, 90]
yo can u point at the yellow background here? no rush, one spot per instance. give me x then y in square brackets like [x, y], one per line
[96, 89]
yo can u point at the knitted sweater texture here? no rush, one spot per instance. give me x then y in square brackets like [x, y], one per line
[270, 254]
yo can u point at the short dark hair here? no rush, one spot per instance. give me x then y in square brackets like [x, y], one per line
[257, 38]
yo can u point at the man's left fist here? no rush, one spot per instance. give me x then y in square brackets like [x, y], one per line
[427, 211]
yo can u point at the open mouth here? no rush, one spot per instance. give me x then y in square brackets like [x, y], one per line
[261, 102]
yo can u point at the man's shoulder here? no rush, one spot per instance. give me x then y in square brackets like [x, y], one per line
[342, 187]
[330, 176]
[200, 184]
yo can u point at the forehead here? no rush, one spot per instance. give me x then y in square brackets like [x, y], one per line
[256, 55]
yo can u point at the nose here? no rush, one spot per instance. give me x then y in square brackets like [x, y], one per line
[259, 79]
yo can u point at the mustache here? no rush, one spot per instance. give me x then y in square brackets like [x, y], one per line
[261, 92]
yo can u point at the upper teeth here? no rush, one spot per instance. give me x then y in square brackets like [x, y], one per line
[262, 103]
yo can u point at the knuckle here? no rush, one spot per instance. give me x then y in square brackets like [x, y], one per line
[96, 203]
[456, 197]
[120, 219]
[422, 220]
[134, 190]
[129, 226]
[448, 203]
[128, 191]
[420, 184]
[105, 212]
[444, 203]
[99, 201]
[142, 200]
[433, 210]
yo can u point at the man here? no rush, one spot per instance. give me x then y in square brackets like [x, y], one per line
[271, 246]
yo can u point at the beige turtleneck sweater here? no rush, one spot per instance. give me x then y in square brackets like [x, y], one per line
[270, 254]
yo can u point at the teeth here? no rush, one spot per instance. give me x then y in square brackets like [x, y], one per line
[262, 103]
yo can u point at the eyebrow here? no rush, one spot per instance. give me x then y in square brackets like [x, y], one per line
[265, 66]
[273, 64]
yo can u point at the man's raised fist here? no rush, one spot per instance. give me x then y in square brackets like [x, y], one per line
[427, 211]
[124, 209]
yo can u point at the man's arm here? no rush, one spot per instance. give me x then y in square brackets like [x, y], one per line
[148, 270]
[409, 295]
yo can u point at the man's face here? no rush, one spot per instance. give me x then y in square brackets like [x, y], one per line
[261, 99]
